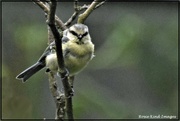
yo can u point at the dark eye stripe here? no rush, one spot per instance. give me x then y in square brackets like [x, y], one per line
[74, 33]
[85, 34]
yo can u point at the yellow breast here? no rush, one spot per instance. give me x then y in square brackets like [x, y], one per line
[78, 57]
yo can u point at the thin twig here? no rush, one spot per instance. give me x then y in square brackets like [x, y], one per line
[75, 14]
[95, 4]
[100, 4]
[78, 9]
[46, 10]
[84, 7]
[72, 18]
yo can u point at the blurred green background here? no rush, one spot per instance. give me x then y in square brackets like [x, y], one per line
[134, 72]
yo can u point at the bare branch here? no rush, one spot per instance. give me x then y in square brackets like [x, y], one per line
[59, 97]
[63, 72]
[57, 37]
[95, 4]
[78, 9]
[76, 5]
[84, 7]
[50, 35]
[100, 4]
[46, 10]
[51, 18]
[72, 18]
[75, 14]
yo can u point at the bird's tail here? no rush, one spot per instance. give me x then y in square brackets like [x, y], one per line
[26, 74]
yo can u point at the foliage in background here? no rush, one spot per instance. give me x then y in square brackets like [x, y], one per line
[134, 71]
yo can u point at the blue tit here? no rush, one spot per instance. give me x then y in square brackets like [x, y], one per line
[77, 48]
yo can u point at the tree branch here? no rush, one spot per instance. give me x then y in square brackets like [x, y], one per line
[57, 37]
[78, 9]
[58, 21]
[95, 4]
[59, 97]
[73, 17]
[63, 72]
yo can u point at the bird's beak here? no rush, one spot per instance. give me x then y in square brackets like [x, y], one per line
[80, 37]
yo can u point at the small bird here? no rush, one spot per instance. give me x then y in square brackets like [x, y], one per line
[77, 48]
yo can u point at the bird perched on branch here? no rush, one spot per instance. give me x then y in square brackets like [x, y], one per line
[77, 49]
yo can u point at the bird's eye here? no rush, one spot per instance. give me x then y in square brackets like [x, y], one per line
[74, 33]
[85, 34]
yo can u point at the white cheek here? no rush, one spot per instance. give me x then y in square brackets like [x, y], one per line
[86, 39]
[70, 36]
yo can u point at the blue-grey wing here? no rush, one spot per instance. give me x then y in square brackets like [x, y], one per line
[66, 49]
[51, 47]
[47, 52]
[65, 32]
[64, 39]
